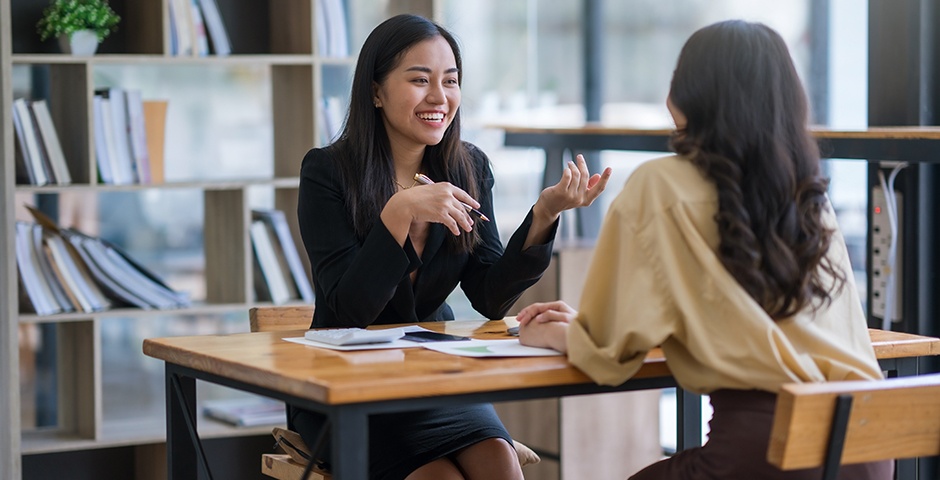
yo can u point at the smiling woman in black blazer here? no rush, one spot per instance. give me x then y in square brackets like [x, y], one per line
[386, 249]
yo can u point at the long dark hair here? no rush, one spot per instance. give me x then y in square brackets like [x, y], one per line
[363, 150]
[747, 131]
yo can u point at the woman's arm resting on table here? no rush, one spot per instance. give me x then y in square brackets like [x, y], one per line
[546, 325]
[546, 335]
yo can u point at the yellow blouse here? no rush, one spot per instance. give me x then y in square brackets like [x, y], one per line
[656, 280]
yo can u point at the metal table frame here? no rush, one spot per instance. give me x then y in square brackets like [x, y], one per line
[186, 458]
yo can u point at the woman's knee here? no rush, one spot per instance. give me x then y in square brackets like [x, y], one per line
[440, 469]
[491, 458]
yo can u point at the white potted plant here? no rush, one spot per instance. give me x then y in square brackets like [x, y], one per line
[78, 24]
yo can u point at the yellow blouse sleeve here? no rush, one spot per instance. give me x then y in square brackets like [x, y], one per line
[625, 310]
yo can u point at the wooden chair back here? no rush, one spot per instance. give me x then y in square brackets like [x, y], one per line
[833, 423]
[272, 319]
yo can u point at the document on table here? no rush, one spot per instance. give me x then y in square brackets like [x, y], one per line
[463, 348]
[491, 348]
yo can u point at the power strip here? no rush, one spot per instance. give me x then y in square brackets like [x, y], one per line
[880, 232]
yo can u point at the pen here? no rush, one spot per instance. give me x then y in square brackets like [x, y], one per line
[422, 178]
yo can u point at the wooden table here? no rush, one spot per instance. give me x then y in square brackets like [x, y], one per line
[350, 386]
[908, 144]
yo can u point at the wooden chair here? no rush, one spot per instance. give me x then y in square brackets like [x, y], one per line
[834, 423]
[272, 319]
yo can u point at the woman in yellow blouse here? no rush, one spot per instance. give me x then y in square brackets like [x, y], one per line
[727, 255]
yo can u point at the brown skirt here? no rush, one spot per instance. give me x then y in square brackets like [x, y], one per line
[737, 447]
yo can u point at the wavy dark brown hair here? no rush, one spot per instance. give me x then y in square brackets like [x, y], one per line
[746, 130]
[363, 150]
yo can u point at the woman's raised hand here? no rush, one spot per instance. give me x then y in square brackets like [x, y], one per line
[577, 188]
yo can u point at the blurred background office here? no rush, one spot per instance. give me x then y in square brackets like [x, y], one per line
[523, 64]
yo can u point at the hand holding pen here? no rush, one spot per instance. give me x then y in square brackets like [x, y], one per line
[423, 179]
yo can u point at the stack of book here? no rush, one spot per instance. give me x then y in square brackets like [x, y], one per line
[279, 274]
[192, 24]
[39, 158]
[246, 412]
[122, 126]
[62, 270]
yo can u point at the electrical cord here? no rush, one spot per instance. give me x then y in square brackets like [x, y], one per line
[891, 205]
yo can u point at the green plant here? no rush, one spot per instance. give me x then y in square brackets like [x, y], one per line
[63, 17]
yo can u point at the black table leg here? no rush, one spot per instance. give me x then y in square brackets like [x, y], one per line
[350, 436]
[183, 447]
[689, 419]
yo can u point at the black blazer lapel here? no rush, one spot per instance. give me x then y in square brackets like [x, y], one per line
[403, 301]
[436, 235]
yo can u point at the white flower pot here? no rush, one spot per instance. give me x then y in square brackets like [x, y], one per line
[81, 42]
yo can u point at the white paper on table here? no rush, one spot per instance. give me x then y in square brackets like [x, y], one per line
[490, 348]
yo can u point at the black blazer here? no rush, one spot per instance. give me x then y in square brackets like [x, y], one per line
[364, 282]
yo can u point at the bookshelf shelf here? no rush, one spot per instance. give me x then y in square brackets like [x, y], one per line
[158, 59]
[122, 434]
[336, 61]
[195, 310]
[287, 182]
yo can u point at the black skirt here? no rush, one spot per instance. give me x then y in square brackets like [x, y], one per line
[738, 439]
[399, 443]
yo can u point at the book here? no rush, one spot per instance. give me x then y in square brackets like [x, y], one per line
[43, 154]
[68, 288]
[118, 134]
[271, 273]
[216, 28]
[132, 276]
[283, 268]
[323, 42]
[23, 170]
[116, 166]
[68, 260]
[120, 278]
[48, 272]
[336, 28]
[137, 134]
[174, 44]
[32, 155]
[102, 149]
[200, 39]
[246, 412]
[332, 34]
[83, 288]
[116, 292]
[277, 223]
[50, 142]
[155, 132]
[182, 22]
[36, 292]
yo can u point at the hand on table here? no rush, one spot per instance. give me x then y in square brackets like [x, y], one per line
[546, 325]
